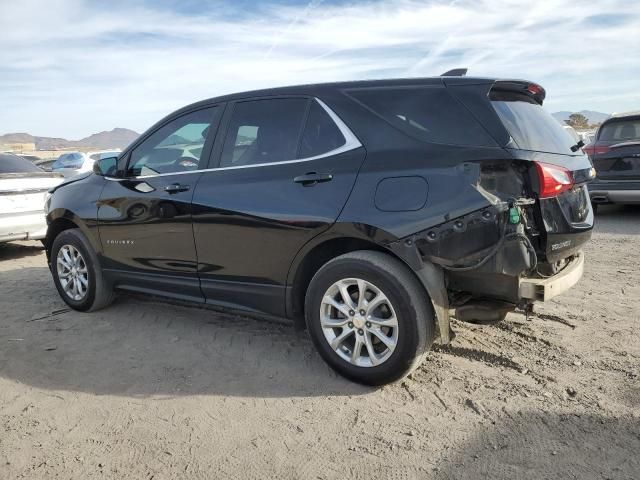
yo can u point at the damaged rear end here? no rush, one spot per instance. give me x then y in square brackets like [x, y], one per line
[526, 244]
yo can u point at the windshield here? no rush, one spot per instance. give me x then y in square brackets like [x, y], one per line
[68, 160]
[530, 126]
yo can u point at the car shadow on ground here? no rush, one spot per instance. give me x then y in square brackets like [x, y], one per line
[618, 219]
[12, 251]
[537, 444]
[143, 347]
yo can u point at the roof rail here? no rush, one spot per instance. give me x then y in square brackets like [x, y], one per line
[456, 72]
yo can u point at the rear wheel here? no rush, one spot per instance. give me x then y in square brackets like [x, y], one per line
[77, 273]
[369, 317]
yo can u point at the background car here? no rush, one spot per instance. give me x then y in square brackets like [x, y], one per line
[587, 137]
[572, 132]
[23, 187]
[616, 157]
[72, 163]
[31, 158]
[46, 164]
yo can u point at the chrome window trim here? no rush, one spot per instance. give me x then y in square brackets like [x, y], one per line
[351, 143]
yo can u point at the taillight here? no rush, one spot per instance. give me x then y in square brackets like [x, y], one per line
[553, 179]
[593, 149]
[534, 89]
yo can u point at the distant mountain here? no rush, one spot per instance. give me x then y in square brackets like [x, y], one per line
[594, 117]
[116, 138]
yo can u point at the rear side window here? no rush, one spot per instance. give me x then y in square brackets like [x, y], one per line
[620, 131]
[529, 125]
[426, 113]
[321, 135]
[264, 131]
[15, 164]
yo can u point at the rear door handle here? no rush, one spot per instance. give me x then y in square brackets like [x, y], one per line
[312, 178]
[176, 187]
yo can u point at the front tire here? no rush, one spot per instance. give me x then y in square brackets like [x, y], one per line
[77, 274]
[369, 317]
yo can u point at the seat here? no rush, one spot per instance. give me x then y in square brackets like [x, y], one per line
[628, 132]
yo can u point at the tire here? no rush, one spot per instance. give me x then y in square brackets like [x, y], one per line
[407, 302]
[96, 294]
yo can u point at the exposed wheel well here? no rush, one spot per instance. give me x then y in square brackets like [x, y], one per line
[57, 226]
[317, 257]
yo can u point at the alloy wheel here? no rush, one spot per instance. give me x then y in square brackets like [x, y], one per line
[72, 272]
[359, 322]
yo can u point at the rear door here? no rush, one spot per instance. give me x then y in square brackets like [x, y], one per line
[283, 171]
[616, 153]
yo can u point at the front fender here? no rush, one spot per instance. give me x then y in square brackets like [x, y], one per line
[75, 205]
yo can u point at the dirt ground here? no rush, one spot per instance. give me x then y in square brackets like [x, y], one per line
[147, 389]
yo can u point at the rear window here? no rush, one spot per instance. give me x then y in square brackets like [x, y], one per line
[529, 125]
[15, 164]
[620, 131]
[425, 113]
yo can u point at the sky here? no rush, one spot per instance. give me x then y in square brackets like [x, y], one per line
[70, 68]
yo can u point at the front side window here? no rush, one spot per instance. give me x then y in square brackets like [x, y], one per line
[175, 147]
[264, 131]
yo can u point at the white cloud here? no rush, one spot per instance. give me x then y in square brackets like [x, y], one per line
[71, 68]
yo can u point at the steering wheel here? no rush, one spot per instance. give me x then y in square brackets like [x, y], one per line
[187, 163]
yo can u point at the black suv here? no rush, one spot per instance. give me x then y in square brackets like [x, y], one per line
[616, 156]
[371, 209]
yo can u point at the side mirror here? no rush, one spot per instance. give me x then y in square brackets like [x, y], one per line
[106, 167]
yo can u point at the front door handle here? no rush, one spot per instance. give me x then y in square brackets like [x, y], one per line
[312, 178]
[176, 187]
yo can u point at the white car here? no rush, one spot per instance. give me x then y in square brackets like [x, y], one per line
[72, 163]
[23, 190]
[587, 137]
[572, 132]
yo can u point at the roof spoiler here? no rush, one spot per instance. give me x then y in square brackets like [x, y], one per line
[456, 72]
[524, 87]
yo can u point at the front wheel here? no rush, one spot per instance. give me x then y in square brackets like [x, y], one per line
[369, 317]
[77, 273]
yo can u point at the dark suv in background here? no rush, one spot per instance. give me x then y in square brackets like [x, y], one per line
[616, 156]
[371, 209]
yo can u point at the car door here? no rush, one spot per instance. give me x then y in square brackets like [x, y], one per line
[285, 170]
[144, 216]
